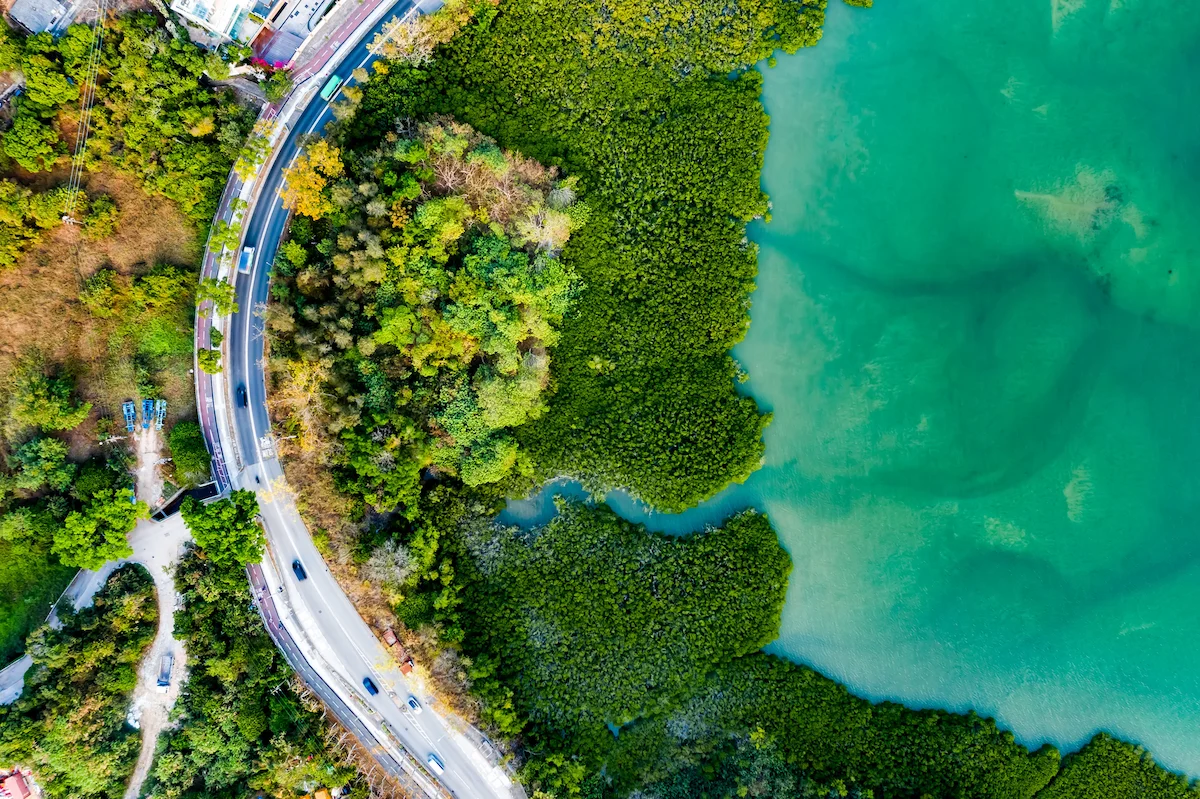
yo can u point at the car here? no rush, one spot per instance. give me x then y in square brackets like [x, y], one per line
[414, 704]
[299, 570]
[436, 763]
[369, 684]
[242, 400]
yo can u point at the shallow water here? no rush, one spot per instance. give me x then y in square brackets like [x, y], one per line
[977, 325]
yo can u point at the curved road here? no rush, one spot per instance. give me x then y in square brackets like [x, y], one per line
[320, 611]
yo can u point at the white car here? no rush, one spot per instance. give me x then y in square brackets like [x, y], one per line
[413, 704]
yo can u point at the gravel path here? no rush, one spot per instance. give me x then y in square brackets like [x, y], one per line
[157, 546]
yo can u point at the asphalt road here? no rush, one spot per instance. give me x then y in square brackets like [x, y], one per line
[322, 612]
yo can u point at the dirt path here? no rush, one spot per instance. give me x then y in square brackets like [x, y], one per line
[157, 546]
[149, 484]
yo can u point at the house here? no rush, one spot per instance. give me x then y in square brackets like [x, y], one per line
[228, 19]
[15, 787]
[36, 16]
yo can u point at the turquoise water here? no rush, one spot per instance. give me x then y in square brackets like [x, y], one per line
[977, 325]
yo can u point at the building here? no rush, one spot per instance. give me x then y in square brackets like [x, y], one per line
[36, 16]
[228, 19]
[15, 787]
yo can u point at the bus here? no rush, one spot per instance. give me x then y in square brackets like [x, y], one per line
[331, 87]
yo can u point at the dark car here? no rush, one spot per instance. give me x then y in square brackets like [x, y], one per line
[369, 684]
[299, 570]
[241, 392]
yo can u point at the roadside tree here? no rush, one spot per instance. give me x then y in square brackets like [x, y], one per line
[98, 533]
[191, 458]
[221, 292]
[227, 530]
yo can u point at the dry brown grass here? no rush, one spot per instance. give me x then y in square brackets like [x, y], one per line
[39, 298]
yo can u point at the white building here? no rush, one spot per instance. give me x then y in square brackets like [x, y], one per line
[230, 19]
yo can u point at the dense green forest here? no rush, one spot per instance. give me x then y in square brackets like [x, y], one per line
[243, 725]
[55, 514]
[69, 723]
[417, 298]
[153, 117]
[626, 662]
[650, 105]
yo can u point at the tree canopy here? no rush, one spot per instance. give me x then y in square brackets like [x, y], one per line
[98, 532]
[227, 530]
[42, 462]
[44, 400]
[189, 453]
[244, 727]
[69, 722]
[423, 280]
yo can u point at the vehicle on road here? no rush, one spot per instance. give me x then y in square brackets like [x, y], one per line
[246, 260]
[242, 399]
[331, 87]
[369, 684]
[436, 763]
[299, 570]
[164, 672]
[414, 704]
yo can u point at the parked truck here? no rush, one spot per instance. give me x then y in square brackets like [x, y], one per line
[164, 672]
[393, 643]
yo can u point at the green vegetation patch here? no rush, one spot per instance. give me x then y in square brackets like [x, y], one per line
[244, 727]
[1111, 769]
[596, 621]
[30, 579]
[152, 116]
[828, 739]
[189, 454]
[69, 723]
[417, 299]
[644, 101]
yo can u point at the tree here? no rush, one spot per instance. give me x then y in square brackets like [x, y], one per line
[307, 178]
[69, 723]
[10, 49]
[32, 143]
[98, 533]
[227, 530]
[256, 149]
[101, 219]
[222, 294]
[42, 462]
[209, 361]
[28, 522]
[189, 453]
[277, 85]
[41, 401]
[45, 84]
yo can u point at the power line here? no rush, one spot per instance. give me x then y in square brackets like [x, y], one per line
[85, 113]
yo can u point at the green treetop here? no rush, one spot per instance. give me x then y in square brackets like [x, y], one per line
[42, 462]
[98, 533]
[227, 530]
[38, 400]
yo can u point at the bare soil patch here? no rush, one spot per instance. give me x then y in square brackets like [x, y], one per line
[40, 308]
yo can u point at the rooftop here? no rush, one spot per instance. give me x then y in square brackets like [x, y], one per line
[36, 16]
[14, 787]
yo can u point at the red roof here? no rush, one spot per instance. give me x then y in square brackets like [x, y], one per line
[14, 786]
